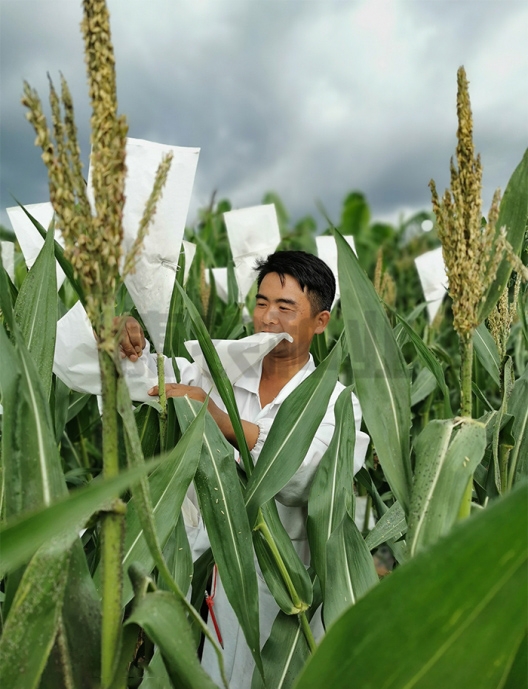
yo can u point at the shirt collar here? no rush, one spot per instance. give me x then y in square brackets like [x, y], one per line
[250, 379]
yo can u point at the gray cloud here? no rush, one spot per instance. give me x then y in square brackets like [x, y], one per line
[308, 98]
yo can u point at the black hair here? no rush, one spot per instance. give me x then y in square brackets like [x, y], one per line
[310, 272]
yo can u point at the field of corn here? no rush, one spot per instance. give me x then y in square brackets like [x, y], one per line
[428, 589]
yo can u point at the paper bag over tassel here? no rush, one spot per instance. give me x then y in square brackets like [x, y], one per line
[432, 274]
[327, 252]
[253, 234]
[151, 285]
[29, 238]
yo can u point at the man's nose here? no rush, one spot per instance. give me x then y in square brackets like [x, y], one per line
[270, 315]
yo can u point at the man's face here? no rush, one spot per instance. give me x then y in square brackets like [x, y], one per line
[287, 308]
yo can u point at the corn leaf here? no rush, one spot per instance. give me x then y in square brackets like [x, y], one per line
[223, 385]
[487, 352]
[446, 458]
[298, 576]
[332, 491]
[380, 374]
[350, 571]
[147, 420]
[32, 470]
[222, 507]
[74, 657]
[7, 235]
[518, 674]
[424, 384]
[164, 619]
[399, 548]
[167, 486]
[454, 616]
[285, 651]
[284, 654]
[501, 475]
[178, 556]
[513, 215]
[60, 405]
[392, 524]
[518, 407]
[292, 433]
[36, 312]
[21, 538]
[175, 333]
[430, 361]
[31, 626]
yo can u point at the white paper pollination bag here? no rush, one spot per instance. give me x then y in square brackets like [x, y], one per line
[221, 280]
[432, 274]
[327, 252]
[8, 258]
[253, 234]
[29, 237]
[76, 361]
[151, 285]
[189, 249]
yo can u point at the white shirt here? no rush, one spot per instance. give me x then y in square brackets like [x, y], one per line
[292, 499]
[291, 503]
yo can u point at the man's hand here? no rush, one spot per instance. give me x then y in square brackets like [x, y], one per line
[251, 430]
[132, 339]
[176, 390]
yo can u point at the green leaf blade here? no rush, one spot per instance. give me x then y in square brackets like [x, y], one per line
[513, 215]
[22, 537]
[284, 654]
[519, 409]
[382, 383]
[445, 462]
[350, 570]
[332, 490]
[297, 572]
[33, 473]
[167, 487]
[59, 255]
[292, 432]
[391, 524]
[223, 385]
[163, 617]
[487, 352]
[467, 592]
[222, 508]
[31, 626]
[36, 311]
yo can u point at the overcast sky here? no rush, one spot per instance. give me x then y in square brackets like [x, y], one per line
[309, 98]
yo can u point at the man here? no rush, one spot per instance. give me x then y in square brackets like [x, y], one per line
[295, 295]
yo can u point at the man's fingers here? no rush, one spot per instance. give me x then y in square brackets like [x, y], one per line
[132, 340]
[172, 390]
[136, 338]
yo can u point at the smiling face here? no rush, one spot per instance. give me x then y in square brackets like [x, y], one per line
[285, 307]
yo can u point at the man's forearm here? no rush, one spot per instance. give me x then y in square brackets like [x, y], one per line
[251, 430]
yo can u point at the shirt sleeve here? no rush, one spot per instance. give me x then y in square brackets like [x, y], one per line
[296, 491]
[190, 373]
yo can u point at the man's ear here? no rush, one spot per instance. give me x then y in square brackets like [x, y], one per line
[322, 321]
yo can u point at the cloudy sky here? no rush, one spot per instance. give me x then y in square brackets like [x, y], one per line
[309, 98]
